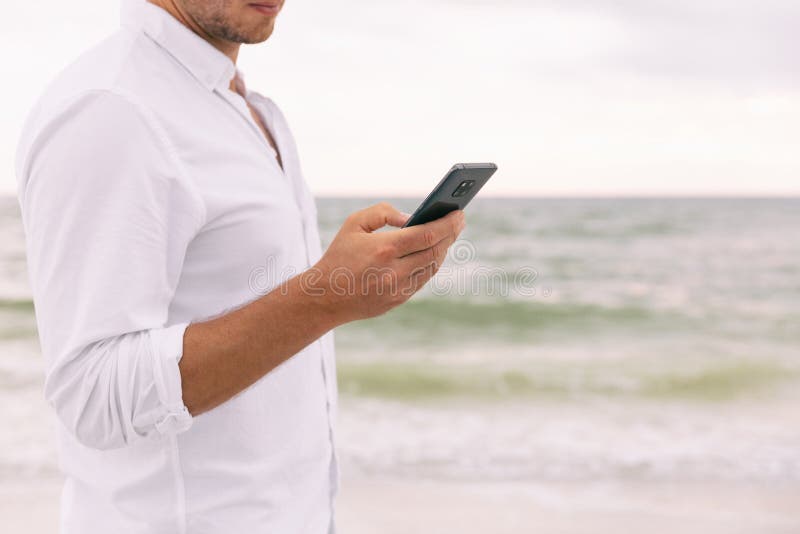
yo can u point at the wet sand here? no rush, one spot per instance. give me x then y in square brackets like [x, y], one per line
[405, 507]
[369, 505]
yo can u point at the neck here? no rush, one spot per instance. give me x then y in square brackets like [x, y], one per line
[174, 8]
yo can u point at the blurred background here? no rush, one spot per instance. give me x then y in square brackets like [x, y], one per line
[614, 346]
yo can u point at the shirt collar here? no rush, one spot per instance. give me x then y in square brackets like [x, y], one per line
[211, 67]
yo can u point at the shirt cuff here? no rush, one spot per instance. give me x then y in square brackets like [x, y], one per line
[167, 352]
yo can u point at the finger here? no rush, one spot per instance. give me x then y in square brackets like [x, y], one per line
[435, 255]
[422, 236]
[418, 278]
[377, 216]
[418, 268]
[403, 220]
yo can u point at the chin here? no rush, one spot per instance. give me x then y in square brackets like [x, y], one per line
[258, 35]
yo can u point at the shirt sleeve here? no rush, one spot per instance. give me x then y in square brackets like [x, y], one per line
[108, 216]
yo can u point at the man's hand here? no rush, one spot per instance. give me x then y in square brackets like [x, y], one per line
[364, 274]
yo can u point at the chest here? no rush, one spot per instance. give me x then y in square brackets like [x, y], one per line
[265, 131]
[260, 216]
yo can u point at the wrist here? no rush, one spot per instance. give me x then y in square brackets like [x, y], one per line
[312, 289]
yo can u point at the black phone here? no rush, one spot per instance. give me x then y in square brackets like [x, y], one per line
[461, 183]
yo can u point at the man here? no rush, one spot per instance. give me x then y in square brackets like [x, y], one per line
[159, 197]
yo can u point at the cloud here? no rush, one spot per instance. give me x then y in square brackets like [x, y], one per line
[752, 43]
[568, 96]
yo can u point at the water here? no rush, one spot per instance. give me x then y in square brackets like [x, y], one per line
[563, 339]
[681, 282]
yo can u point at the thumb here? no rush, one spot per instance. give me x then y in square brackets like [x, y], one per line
[378, 216]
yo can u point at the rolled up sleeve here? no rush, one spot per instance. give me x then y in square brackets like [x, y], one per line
[108, 216]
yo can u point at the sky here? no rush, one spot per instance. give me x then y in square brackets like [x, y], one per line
[568, 97]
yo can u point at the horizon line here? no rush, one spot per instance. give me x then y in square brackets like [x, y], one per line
[558, 196]
[579, 196]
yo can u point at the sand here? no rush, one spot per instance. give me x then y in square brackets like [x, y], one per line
[395, 507]
[369, 505]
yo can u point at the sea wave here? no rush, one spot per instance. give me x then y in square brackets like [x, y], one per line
[425, 381]
[16, 305]
[442, 320]
[579, 441]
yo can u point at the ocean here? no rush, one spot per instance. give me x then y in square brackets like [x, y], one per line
[563, 340]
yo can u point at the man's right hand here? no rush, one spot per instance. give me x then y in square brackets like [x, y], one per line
[364, 274]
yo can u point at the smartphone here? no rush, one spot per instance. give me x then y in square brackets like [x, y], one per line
[461, 183]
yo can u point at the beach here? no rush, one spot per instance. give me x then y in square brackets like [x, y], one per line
[578, 365]
[406, 469]
[394, 506]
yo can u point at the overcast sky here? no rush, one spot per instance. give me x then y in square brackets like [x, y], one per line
[569, 97]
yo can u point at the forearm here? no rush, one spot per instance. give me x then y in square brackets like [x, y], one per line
[227, 354]
[223, 356]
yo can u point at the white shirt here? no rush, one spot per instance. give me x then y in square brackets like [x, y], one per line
[151, 199]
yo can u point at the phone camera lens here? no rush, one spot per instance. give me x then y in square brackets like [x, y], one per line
[463, 187]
